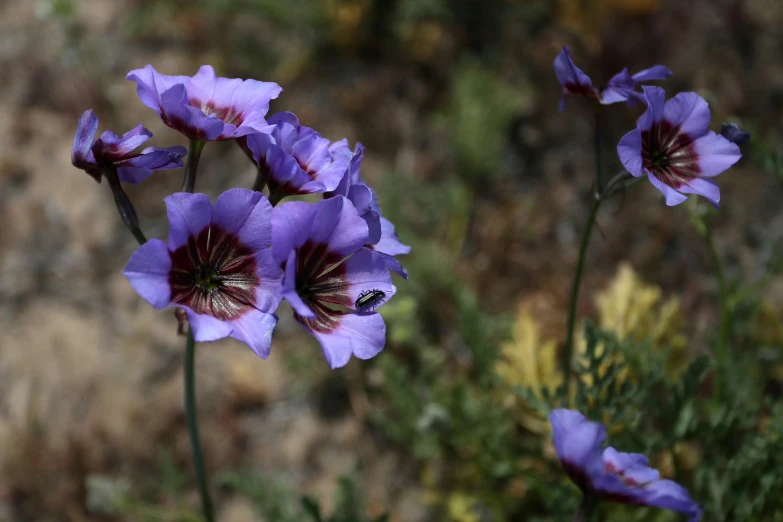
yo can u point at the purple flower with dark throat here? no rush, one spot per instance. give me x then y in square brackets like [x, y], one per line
[609, 475]
[112, 151]
[330, 277]
[673, 145]
[620, 88]
[296, 160]
[205, 107]
[382, 236]
[217, 267]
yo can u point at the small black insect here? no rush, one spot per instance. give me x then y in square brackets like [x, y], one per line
[369, 300]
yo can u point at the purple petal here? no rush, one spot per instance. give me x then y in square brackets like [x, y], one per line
[255, 329]
[291, 224]
[83, 139]
[133, 175]
[703, 187]
[622, 80]
[656, 72]
[112, 148]
[366, 271]
[689, 112]
[156, 159]
[190, 121]
[630, 151]
[735, 134]
[390, 243]
[360, 335]
[578, 443]
[394, 265]
[656, 99]
[362, 198]
[188, 215]
[246, 214]
[618, 89]
[284, 175]
[338, 225]
[571, 77]
[148, 273]
[622, 461]
[672, 196]
[716, 154]
[667, 494]
[289, 288]
[269, 291]
[207, 328]
[150, 85]
[616, 95]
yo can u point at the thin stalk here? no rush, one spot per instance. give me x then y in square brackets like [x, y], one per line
[260, 181]
[194, 154]
[598, 147]
[195, 441]
[587, 510]
[723, 297]
[124, 205]
[569, 345]
[275, 197]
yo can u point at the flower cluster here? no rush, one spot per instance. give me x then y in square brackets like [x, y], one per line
[228, 265]
[672, 144]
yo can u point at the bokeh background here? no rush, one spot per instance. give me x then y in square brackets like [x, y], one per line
[456, 104]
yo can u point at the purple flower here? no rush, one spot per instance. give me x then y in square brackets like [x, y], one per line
[673, 145]
[326, 265]
[217, 267]
[382, 236]
[296, 159]
[110, 150]
[205, 107]
[621, 88]
[607, 474]
[734, 133]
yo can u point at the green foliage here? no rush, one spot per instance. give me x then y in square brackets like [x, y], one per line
[479, 116]
[276, 501]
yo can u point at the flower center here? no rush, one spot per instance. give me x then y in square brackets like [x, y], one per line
[214, 274]
[669, 154]
[321, 281]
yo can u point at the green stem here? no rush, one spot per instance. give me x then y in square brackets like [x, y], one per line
[723, 329]
[587, 510]
[569, 345]
[260, 181]
[124, 205]
[275, 197]
[191, 413]
[194, 154]
[598, 143]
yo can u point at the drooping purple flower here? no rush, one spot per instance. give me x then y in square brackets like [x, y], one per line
[609, 475]
[217, 267]
[382, 236]
[734, 133]
[673, 145]
[620, 88]
[205, 107]
[296, 160]
[110, 150]
[327, 271]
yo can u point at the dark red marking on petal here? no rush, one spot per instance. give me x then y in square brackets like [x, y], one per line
[669, 154]
[326, 320]
[580, 89]
[214, 274]
[180, 125]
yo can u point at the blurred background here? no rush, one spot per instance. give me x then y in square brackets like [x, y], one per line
[456, 104]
